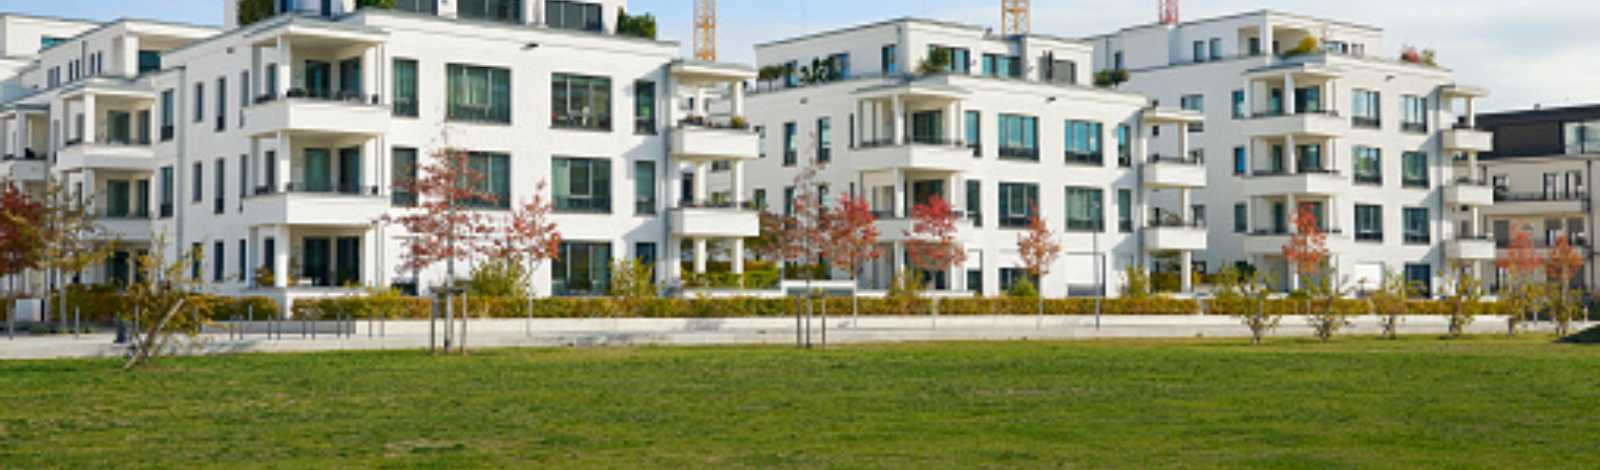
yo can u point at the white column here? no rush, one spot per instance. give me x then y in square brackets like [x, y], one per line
[737, 173]
[130, 56]
[900, 194]
[674, 261]
[1291, 156]
[369, 74]
[285, 73]
[260, 79]
[1288, 94]
[674, 187]
[1249, 215]
[700, 102]
[1472, 113]
[1187, 271]
[283, 157]
[1266, 36]
[1183, 205]
[701, 172]
[899, 120]
[1250, 157]
[280, 256]
[952, 122]
[700, 256]
[899, 257]
[89, 133]
[1249, 98]
[738, 255]
[1183, 140]
[738, 97]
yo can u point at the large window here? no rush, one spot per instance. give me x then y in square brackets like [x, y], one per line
[1368, 165]
[1241, 218]
[960, 59]
[1582, 137]
[166, 192]
[1367, 110]
[1238, 104]
[581, 102]
[891, 60]
[1369, 223]
[644, 188]
[974, 128]
[574, 15]
[824, 140]
[1083, 142]
[644, 108]
[1017, 204]
[1241, 161]
[1125, 146]
[1019, 137]
[169, 115]
[479, 94]
[405, 88]
[1001, 66]
[1415, 169]
[1125, 210]
[509, 11]
[975, 202]
[417, 6]
[582, 185]
[1413, 114]
[149, 61]
[584, 269]
[1420, 275]
[402, 170]
[1416, 224]
[791, 150]
[495, 169]
[1084, 209]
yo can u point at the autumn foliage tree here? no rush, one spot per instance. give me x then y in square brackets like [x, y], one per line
[527, 237]
[22, 238]
[852, 238]
[443, 222]
[1521, 264]
[933, 245]
[1307, 253]
[1038, 250]
[1563, 263]
[75, 242]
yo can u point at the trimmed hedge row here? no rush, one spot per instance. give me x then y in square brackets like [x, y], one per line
[100, 307]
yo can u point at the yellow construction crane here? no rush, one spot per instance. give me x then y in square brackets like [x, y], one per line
[705, 30]
[1014, 18]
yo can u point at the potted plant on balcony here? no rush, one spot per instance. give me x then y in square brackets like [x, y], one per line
[938, 61]
[1307, 45]
[1110, 78]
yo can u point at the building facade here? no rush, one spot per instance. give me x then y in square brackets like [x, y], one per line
[277, 146]
[901, 111]
[1382, 151]
[1540, 169]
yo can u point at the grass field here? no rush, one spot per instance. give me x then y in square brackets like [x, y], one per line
[1480, 403]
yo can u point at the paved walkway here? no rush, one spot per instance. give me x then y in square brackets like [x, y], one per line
[362, 335]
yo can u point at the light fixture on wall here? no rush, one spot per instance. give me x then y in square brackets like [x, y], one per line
[530, 46]
[1050, 99]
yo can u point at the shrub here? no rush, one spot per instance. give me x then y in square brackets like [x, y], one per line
[1110, 78]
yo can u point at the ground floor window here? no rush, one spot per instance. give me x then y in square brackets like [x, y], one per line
[584, 269]
[1420, 276]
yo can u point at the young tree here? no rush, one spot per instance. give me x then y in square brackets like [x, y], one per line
[632, 286]
[1391, 302]
[76, 241]
[933, 246]
[806, 232]
[22, 237]
[528, 238]
[1521, 264]
[1463, 296]
[1307, 253]
[1038, 250]
[1563, 263]
[166, 307]
[1244, 296]
[852, 238]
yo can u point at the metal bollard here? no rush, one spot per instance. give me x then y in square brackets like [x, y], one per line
[77, 322]
[251, 310]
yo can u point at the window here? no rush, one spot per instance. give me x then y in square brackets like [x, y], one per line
[1413, 114]
[841, 65]
[1197, 215]
[244, 95]
[1125, 211]
[824, 140]
[402, 170]
[1083, 142]
[495, 170]
[1001, 66]
[891, 63]
[220, 189]
[166, 192]
[974, 128]
[199, 102]
[1216, 49]
[194, 267]
[1125, 146]
[791, 148]
[644, 188]
[405, 88]
[581, 102]
[1368, 165]
[582, 185]
[959, 58]
[222, 103]
[1420, 275]
[1238, 104]
[1415, 166]
[1241, 218]
[1018, 201]
[761, 138]
[760, 199]
[244, 177]
[1019, 137]
[417, 6]
[1582, 137]
[1196, 103]
[1241, 161]
[1117, 61]
[199, 182]
[46, 42]
[1010, 276]
[244, 260]
[574, 15]
[1058, 71]
[217, 265]
[1369, 223]
[1308, 158]
[1199, 51]
[1367, 109]
[644, 108]
[1417, 226]
[168, 115]
[509, 11]
[584, 269]
[479, 94]
[1084, 209]
[788, 201]
[975, 202]
[149, 61]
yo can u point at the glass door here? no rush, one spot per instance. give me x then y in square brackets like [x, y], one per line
[350, 78]
[924, 191]
[116, 199]
[315, 259]
[318, 79]
[348, 269]
[118, 127]
[927, 127]
[1280, 218]
[349, 171]
[318, 169]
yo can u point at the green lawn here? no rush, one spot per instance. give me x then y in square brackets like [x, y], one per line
[1480, 403]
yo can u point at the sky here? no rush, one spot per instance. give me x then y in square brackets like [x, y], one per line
[1526, 52]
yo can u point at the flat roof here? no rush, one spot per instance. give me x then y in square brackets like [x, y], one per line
[906, 20]
[1540, 115]
[1236, 16]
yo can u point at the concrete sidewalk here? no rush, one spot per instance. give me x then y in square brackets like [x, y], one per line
[497, 333]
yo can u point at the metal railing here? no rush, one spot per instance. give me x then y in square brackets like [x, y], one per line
[336, 188]
[749, 206]
[1555, 196]
[336, 96]
[582, 205]
[1276, 113]
[1159, 159]
[1161, 222]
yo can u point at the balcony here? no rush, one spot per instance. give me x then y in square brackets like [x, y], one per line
[108, 155]
[691, 141]
[128, 226]
[1466, 192]
[1546, 203]
[1317, 123]
[301, 112]
[1322, 182]
[1465, 139]
[715, 221]
[1163, 172]
[892, 228]
[916, 153]
[1471, 249]
[32, 170]
[1271, 242]
[1175, 235]
[332, 205]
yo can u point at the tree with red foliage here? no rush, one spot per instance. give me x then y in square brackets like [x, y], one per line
[528, 237]
[1520, 263]
[1563, 263]
[852, 238]
[21, 236]
[933, 246]
[1038, 249]
[1307, 253]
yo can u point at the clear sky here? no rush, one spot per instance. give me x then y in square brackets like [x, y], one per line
[1526, 52]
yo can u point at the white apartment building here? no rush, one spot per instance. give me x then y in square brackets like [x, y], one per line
[1382, 150]
[276, 146]
[1540, 169]
[1011, 126]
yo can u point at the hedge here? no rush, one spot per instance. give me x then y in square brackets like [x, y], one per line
[105, 308]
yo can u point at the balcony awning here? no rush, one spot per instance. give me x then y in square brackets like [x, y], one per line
[1163, 116]
[700, 73]
[313, 32]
